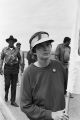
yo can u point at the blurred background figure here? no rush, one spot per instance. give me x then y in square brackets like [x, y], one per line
[22, 62]
[62, 54]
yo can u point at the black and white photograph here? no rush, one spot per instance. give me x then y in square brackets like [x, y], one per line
[39, 59]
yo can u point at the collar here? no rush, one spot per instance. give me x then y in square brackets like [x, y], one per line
[10, 48]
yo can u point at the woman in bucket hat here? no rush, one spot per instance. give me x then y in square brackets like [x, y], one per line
[42, 89]
[12, 59]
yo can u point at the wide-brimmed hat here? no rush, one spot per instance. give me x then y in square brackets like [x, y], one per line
[11, 38]
[39, 37]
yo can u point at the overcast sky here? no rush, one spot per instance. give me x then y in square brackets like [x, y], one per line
[22, 18]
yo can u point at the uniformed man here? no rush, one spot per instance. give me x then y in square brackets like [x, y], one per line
[11, 58]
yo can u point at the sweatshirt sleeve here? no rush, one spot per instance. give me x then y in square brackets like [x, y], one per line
[26, 101]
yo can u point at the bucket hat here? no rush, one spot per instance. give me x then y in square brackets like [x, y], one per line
[39, 37]
[11, 38]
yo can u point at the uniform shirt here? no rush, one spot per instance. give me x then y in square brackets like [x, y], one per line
[11, 58]
[42, 90]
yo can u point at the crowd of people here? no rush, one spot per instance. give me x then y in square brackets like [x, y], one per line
[44, 81]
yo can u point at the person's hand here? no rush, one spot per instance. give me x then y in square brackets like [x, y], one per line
[65, 116]
[1, 71]
[60, 115]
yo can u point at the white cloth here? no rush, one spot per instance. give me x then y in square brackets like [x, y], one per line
[2, 89]
[74, 77]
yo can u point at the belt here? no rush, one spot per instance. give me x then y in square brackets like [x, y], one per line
[9, 65]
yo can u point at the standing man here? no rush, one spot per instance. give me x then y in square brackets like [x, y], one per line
[11, 58]
[62, 54]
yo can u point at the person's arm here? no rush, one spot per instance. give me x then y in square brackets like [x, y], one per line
[1, 64]
[1, 61]
[19, 57]
[27, 105]
[22, 62]
[57, 52]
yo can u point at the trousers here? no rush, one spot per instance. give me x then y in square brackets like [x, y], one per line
[10, 78]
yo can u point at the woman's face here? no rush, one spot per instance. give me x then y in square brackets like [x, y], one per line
[43, 50]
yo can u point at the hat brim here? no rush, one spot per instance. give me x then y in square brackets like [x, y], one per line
[14, 40]
[42, 40]
[39, 42]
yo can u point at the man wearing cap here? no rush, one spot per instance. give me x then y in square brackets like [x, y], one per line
[11, 58]
[42, 89]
